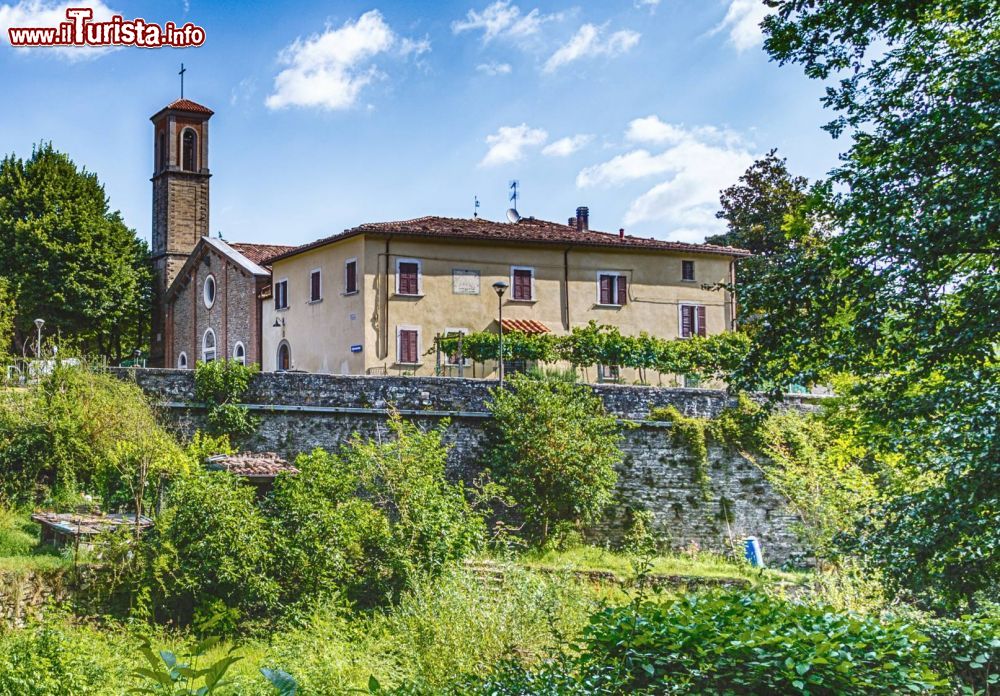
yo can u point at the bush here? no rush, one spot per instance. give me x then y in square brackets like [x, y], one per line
[221, 385]
[373, 517]
[967, 650]
[555, 449]
[724, 642]
[211, 551]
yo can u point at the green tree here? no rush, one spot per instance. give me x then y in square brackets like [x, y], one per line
[68, 258]
[906, 295]
[555, 449]
[8, 311]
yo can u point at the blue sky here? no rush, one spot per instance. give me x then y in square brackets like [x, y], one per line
[330, 114]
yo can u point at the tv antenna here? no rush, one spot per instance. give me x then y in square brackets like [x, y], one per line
[475, 210]
[514, 183]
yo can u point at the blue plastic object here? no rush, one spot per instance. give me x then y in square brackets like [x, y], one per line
[752, 551]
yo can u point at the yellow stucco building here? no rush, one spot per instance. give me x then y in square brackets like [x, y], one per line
[372, 299]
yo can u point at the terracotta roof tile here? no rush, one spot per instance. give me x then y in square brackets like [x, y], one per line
[259, 252]
[528, 326]
[252, 464]
[527, 231]
[188, 105]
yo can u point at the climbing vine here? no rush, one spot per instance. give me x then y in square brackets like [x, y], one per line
[710, 357]
[221, 385]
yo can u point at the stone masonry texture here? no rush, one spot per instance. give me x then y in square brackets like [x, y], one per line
[300, 412]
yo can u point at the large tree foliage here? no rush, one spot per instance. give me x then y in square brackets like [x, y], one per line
[906, 295]
[69, 259]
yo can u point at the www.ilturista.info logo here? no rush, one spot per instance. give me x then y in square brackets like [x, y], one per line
[80, 30]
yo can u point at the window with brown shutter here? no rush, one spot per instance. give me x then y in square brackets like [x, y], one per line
[693, 321]
[315, 286]
[408, 346]
[409, 278]
[351, 277]
[687, 321]
[605, 289]
[281, 294]
[687, 270]
[522, 284]
[613, 289]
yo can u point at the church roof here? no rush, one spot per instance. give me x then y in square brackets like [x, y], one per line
[259, 252]
[222, 248]
[526, 231]
[185, 105]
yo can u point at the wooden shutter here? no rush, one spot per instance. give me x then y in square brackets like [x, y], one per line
[605, 289]
[407, 346]
[622, 290]
[701, 320]
[522, 285]
[314, 286]
[687, 321]
[352, 277]
[408, 281]
[687, 270]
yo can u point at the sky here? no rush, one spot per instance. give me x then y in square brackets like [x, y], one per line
[332, 114]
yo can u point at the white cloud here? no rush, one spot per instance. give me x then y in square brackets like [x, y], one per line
[503, 20]
[567, 146]
[587, 42]
[651, 129]
[329, 70]
[509, 143]
[742, 21]
[494, 68]
[696, 165]
[651, 4]
[37, 13]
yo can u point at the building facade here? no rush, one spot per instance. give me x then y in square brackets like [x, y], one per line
[212, 307]
[372, 299]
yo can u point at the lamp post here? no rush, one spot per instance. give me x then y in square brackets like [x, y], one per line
[39, 323]
[500, 287]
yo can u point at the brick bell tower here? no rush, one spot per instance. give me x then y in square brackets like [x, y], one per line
[180, 202]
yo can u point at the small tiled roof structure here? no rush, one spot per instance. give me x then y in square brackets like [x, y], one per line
[525, 231]
[528, 326]
[259, 252]
[252, 465]
[188, 105]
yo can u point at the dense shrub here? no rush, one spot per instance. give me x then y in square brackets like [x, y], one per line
[555, 448]
[967, 650]
[733, 643]
[366, 521]
[211, 553]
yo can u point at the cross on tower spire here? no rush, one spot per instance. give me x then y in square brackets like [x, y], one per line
[181, 73]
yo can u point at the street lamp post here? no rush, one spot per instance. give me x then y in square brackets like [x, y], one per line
[39, 323]
[500, 287]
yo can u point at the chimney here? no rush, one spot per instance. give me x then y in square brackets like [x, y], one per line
[582, 219]
[621, 233]
[572, 222]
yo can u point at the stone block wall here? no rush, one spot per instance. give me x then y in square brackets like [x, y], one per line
[300, 412]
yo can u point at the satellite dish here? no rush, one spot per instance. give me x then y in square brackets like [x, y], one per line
[513, 215]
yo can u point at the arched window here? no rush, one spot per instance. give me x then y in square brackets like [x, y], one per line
[284, 357]
[189, 142]
[208, 346]
[209, 291]
[182, 361]
[240, 353]
[161, 154]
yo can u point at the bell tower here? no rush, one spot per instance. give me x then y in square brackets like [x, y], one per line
[180, 201]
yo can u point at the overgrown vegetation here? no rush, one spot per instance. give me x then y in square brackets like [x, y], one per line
[555, 449]
[221, 385]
